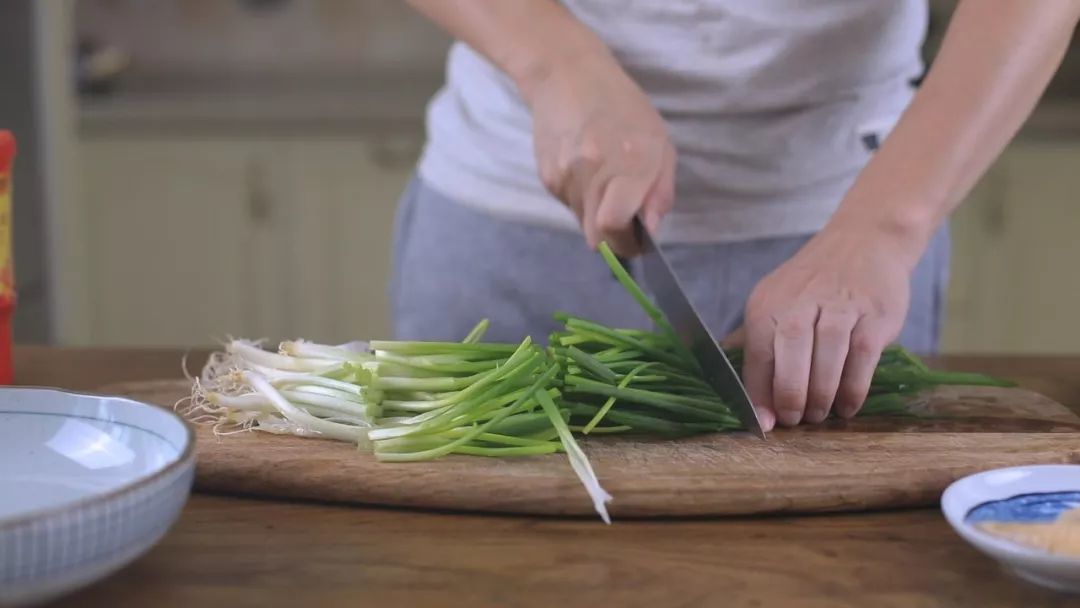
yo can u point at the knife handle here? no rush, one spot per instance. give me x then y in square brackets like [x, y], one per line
[638, 227]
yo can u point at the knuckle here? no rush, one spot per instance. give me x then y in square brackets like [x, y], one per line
[880, 308]
[832, 328]
[590, 150]
[662, 195]
[757, 355]
[637, 151]
[842, 307]
[551, 178]
[789, 397]
[561, 168]
[865, 346]
[791, 327]
[607, 222]
[851, 394]
[757, 307]
[608, 227]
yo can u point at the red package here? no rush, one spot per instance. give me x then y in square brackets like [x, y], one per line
[7, 270]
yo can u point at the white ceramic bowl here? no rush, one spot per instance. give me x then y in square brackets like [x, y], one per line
[87, 484]
[1033, 564]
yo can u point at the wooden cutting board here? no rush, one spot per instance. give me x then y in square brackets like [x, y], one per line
[868, 463]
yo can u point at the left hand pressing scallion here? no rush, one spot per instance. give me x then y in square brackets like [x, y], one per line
[816, 326]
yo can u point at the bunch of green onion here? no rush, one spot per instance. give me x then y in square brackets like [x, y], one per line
[409, 401]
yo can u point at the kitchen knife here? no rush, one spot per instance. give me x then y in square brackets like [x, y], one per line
[672, 301]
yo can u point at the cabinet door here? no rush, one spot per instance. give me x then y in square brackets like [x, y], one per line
[168, 227]
[348, 192]
[1042, 219]
[974, 309]
[1016, 250]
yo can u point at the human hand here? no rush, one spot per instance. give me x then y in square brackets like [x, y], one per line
[602, 149]
[816, 326]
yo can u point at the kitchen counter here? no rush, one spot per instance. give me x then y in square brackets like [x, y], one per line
[228, 551]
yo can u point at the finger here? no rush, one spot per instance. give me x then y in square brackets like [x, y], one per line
[584, 187]
[548, 151]
[621, 200]
[832, 337]
[793, 349]
[590, 208]
[868, 340]
[757, 370]
[565, 172]
[736, 339]
[661, 197]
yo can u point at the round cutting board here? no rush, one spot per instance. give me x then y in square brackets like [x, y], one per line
[867, 463]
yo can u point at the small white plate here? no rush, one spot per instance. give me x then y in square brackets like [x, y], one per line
[87, 484]
[1026, 482]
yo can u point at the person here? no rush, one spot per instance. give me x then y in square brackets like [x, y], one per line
[795, 159]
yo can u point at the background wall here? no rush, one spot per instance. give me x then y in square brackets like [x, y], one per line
[239, 163]
[263, 38]
[20, 113]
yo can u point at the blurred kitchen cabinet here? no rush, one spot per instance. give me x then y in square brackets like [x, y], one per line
[1014, 282]
[189, 240]
[346, 193]
[193, 240]
[976, 228]
[169, 238]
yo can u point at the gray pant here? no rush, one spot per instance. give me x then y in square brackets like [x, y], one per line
[454, 266]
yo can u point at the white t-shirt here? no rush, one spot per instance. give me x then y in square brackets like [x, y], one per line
[769, 103]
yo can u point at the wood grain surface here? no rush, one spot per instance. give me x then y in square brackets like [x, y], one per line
[873, 463]
[236, 552]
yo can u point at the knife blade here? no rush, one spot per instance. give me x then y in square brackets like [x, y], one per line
[671, 299]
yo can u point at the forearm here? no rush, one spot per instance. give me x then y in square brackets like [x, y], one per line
[526, 39]
[995, 62]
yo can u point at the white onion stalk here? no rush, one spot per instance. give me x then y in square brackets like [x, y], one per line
[255, 403]
[249, 352]
[250, 402]
[280, 379]
[578, 461]
[352, 396]
[330, 430]
[354, 351]
[339, 406]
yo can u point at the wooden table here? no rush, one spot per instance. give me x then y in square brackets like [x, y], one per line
[228, 551]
